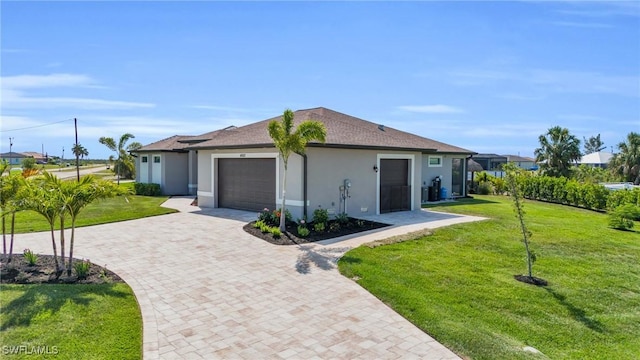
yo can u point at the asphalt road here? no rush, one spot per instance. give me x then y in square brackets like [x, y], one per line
[66, 173]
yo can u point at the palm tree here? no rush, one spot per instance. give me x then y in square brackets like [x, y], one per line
[79, 151]
[10, 203]
[78, 196]
[558, 150]
[288, 142]
[626, 163]
[43, 198]
[593, 144]
[124, 161]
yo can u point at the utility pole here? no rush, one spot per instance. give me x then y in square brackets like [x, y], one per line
[75, 123]
[10, 153]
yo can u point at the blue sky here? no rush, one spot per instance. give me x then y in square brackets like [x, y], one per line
[487, 76]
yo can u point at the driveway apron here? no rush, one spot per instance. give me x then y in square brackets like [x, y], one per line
[207, 289]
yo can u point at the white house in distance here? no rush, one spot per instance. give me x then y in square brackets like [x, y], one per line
[597, 159]
[361, 168]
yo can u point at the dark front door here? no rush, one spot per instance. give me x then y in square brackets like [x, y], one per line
[395, 191]
[247, 183]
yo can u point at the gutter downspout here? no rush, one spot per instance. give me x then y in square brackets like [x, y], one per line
[304, 185]
[466, 167]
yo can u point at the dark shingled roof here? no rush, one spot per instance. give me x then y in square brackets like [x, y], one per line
[343, 131]
[173, 143]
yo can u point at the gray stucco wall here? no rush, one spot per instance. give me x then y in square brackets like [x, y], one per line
[326, 171]
[429, 173]
[328, 168]
[175, 173]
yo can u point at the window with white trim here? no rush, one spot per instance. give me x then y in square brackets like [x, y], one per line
[435, 161]
[156, 159]
[144, 159]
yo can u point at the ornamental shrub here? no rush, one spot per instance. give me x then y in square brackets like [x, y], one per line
[622, 218]
[303, 231]
[485, 188]
[147, 189]
[320, 216]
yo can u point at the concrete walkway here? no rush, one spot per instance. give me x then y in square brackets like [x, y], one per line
[209, 290]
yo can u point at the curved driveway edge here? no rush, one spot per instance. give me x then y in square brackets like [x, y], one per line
[207, 290]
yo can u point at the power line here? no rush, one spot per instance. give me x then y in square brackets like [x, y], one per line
[36, 126]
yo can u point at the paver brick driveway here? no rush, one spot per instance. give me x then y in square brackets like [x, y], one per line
[209, 290]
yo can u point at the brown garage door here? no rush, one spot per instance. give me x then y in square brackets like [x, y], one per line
[395, 191]
[247, 184]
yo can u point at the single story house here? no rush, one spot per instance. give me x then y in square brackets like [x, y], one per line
[490, 162]
[16, 158]
[522, 162]
[362, 168]
[597, 159]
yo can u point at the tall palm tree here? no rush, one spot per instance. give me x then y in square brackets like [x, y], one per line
[288, 141]
[79, 151]
[124, 161]
[557, 152]
[626, 163]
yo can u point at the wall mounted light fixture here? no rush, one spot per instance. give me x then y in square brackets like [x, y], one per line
[375, 168]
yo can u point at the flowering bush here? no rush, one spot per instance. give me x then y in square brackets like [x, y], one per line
[272, 218]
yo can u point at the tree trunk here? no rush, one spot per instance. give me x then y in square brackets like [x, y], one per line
[73, 234]
[62, 240]
[55, 250]
[13, 223]
[284, 194]
[4, 238]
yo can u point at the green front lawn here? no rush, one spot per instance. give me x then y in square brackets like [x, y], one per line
[70, 322]
[457, 284]
[101, 212]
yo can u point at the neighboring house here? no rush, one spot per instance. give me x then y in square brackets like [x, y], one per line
[362, 168]
[40, 157]
[15, 158]
[522, 162]
[597, 159]
[490, 162]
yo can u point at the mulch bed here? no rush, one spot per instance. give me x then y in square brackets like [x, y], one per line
[18, 271]
[531, 280]
[291, 237]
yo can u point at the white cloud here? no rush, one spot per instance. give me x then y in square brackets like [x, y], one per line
[15, 96]
[431, 109]
[582, 24]
[44, 81]
[563, 81]
[21, 102]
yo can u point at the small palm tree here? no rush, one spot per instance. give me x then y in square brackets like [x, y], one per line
[11, 187]
[80, 194]
[288, 141]
[42, 197]
[557, 152]
[123, 160]
[626, 163]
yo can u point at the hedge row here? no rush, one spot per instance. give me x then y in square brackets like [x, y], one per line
[564, 191]
[147, 189]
